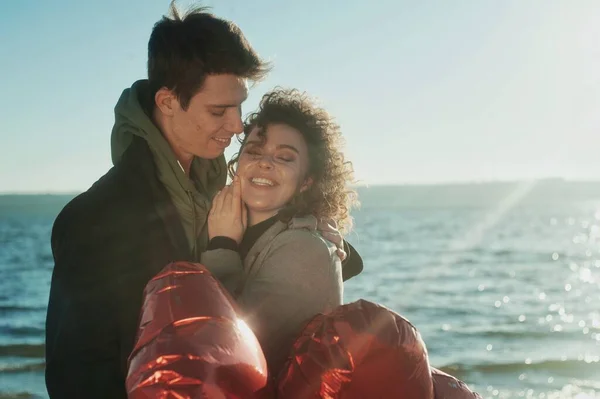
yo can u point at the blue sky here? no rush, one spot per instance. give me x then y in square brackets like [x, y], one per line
[426, 92]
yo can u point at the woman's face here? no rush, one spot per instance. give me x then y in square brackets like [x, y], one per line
[272, 170]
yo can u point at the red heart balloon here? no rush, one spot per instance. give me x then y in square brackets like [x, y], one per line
[360, 350]
[190, 342]
[448, 387]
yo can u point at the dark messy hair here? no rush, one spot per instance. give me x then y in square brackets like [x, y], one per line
[329, 196]
[184, 48]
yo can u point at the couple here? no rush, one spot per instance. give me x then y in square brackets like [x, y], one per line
[270, 236]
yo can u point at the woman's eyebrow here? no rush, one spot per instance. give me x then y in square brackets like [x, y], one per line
[279, 147]
[289, 147]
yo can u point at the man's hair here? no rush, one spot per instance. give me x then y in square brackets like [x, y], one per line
[329, 196]
[184, 48]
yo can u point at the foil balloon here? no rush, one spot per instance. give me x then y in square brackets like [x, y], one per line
[190, 342]
[448, 387]
[360, 350]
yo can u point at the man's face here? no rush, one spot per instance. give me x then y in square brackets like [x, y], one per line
[212, 118]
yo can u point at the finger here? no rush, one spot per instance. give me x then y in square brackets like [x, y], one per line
[244, 215]
[217, 204]
[214, 201]
[227, 199]
[333, 238]
[226, 202]
[236, 196]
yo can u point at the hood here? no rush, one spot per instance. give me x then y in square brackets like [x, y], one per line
[131, 119]
[191, 196]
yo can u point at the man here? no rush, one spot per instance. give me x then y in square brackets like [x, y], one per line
[168, 141]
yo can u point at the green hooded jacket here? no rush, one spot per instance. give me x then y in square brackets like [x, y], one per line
[191, 195]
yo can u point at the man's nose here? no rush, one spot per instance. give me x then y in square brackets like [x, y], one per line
[234, 124]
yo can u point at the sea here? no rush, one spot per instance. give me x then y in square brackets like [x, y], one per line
[501, 279]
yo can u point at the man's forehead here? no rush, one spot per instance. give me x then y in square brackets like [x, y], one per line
[228, 90]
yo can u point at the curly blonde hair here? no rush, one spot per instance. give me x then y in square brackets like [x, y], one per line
[329, 196]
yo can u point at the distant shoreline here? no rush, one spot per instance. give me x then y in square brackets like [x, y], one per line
[449, 184]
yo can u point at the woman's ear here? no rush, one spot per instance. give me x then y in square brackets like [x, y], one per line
[306, 185]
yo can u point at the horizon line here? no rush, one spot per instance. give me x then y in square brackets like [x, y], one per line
[368, 185]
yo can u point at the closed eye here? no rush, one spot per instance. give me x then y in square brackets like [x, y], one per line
[285, 155]
[252, 151]
[285, 158]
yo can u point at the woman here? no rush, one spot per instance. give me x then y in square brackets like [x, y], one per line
[264, 242]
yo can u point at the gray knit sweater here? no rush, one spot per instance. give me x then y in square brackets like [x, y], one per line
[290, 274]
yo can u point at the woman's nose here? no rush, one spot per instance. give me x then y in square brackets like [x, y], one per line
[266, 161]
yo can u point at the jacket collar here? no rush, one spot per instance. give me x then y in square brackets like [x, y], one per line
[138, 159]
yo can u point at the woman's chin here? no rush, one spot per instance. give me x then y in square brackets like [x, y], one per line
[262, 205]
[258, 204]
[257, 209]
[261, 211]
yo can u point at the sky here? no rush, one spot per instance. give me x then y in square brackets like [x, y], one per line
[425, 92]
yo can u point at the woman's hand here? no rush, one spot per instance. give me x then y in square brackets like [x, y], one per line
[228, 215]
[330, 232]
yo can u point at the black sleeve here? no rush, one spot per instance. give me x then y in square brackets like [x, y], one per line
[82, 349]
[353, 264]
[222, 242]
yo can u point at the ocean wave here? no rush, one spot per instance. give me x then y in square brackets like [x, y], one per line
[45, 258]
[20, 308]
[17, 395]
[23, 350]
[549, 366]
[22, 331]
[22, 368]
[513, 334]
[440, 310]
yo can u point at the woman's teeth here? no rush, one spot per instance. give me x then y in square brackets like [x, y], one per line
[261, 181]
